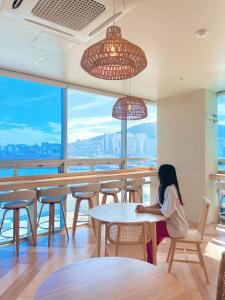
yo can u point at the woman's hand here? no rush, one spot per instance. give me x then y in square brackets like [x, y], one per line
[140, 209]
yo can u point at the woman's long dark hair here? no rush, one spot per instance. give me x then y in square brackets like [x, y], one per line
[167, 176]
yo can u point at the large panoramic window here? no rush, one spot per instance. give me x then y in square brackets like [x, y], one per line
[141, 138]
[221, 128]
[30, 120]
[92, 131]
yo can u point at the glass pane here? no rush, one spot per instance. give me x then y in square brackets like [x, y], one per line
[74, 169]
[92, 131]
[30, 120]
[107, 167]
[221, 131]
[142, 136]
[37, 171]
[6, 172]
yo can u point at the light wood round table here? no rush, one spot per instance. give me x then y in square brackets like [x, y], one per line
[123, 213]
[110, 278]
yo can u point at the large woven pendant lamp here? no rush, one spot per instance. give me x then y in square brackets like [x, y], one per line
[113, 58]
[130, 108]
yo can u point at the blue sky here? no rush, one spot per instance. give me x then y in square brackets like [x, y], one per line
[31, 113]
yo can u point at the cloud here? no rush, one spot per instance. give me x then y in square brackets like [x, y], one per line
[27, 136]
[55, 127]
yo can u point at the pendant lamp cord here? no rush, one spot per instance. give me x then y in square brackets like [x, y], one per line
[129, 87]
[114, 11]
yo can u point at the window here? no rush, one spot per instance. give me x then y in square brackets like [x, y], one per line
[221, 130]
[92, 131]
[141, 139]
[30, 120]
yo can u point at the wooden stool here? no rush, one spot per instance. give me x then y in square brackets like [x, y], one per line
[53, 196]
[16, 201]
[133, 186]
[111, 188]
[83, 192]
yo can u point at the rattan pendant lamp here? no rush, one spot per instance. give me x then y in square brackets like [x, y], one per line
[129, 108]
[113, 58]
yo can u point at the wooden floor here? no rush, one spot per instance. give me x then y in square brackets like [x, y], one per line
[19, 279]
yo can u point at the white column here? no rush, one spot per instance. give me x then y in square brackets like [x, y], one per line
[188, 140]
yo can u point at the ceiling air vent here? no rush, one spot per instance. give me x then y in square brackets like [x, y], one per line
[79, 19]
[74, 15]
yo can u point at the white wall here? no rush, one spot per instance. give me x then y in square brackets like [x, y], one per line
[188, 140]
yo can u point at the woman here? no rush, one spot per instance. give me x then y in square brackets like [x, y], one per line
[168, 203]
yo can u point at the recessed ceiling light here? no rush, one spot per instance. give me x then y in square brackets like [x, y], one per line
[41, 58]
[201, 33]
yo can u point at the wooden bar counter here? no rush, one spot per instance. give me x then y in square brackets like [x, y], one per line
[33, 182]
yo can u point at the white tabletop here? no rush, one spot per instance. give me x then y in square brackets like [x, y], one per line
[122, 213]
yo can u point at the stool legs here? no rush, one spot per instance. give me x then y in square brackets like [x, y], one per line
[104, 197]
[64, 218]
[76, 214]
[17, 224]
[50, 224]
[31, 227]
[75, 218]
[115, 198]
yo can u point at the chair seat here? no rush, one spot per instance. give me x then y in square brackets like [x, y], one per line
[84, 195]
[49, 200]
[110, 191]
[192, 236]
[16, 204]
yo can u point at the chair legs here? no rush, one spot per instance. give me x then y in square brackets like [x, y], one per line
[173, 248]
[202, 262]
[171, 254]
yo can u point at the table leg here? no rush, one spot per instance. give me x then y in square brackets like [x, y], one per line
[33, 214]
[98, 238]
[154, 243]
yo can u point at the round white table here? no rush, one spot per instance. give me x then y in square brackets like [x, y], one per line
[123, 213]
[111, 278]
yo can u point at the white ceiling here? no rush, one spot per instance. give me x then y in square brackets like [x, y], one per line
[178, 61]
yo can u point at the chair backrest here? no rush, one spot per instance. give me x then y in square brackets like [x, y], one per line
[113, 185]
[203, 216]
[54, 192]
[87, 187]
[220, 295]
[18, 195]
[126, 234]
[135, 182]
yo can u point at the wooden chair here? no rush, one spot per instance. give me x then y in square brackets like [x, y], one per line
[51, 197]
[126, 239]
[221, 280]
[194, 236]
[15, 201]
[112, 188]
[132, 187]
[83, 192]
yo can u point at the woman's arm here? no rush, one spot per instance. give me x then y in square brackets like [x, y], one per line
[153, 209]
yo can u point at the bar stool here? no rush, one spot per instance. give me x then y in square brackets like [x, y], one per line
[112, 188]
[133, 186]
[51, 197]
[83, 192]
[15, 201]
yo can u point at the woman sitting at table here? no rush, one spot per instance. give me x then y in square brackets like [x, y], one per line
[168, 203]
